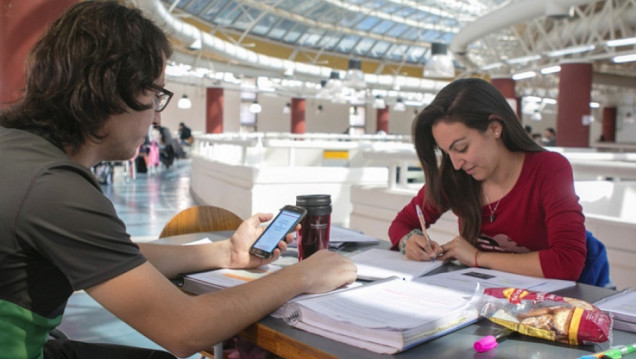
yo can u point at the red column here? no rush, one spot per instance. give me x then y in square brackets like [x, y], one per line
[575, 86]
[22, 23]
[214, 110]
[382, 119]
[298, 115]
[609, 124]
[506, 86]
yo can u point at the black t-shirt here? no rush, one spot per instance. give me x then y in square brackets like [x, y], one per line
[58, 233]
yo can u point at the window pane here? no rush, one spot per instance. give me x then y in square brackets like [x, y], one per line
[247, 19]
[197, 6]
[214, 9]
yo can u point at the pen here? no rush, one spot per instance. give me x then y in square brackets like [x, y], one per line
[491, 341]
[420, 216]
[612, 353]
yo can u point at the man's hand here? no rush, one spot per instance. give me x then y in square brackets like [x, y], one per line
[324, 271]
[241, 241]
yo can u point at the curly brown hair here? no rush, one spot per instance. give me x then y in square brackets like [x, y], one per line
[90, 64]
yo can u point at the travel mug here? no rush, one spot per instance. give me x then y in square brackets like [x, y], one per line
[314, 232]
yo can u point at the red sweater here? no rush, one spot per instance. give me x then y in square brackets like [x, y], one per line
[540, 213]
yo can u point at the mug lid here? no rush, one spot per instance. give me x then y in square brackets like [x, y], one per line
[313, 200]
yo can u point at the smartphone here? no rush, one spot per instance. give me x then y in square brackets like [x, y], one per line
[285, 222]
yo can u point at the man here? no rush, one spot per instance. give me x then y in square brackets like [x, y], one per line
[550, 137]
[95, 84]
[185, 134]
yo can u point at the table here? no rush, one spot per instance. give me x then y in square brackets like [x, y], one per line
[285, 341]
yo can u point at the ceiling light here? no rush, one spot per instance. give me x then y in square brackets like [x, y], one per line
[399, 105]
[624, 58]
[621, 42]
[550, 69]
[557, 11]
[524, 59]
[255, 107]
[196, 45]
[492, 66]
[571, 50]
[524, 75]
[595, 105]
[549, 101]
[184, 102]
[440, 64]
[379, 102]
[354, 77]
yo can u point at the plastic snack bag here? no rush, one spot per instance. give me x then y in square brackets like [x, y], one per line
[547, 316]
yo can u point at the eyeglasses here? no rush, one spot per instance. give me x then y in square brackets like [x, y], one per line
[162, 97]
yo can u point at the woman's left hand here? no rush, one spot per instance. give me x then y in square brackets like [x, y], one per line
[459, 248]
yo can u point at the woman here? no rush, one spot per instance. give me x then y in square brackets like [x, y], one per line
[516, 204]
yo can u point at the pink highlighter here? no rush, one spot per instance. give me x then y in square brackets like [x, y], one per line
[491, 341]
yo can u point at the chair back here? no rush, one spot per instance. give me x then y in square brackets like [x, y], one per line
[201, 219]
[597, 270]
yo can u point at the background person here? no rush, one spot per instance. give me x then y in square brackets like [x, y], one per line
[185, 134]
[550, 137]
[95, 84]
[516, 204]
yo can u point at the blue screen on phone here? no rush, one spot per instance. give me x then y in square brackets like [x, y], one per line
[277, 230]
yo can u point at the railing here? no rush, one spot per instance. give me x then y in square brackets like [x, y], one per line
[394, 151]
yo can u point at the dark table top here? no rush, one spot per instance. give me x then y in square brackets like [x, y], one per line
[458, 344]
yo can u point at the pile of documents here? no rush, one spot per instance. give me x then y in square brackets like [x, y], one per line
[622, 306]
[384, 317]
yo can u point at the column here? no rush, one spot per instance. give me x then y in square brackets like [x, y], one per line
[609, 124]
[575, 86]
[214, 110]
[298, 115]
[506, 86]
[382, 119]
[22, 23]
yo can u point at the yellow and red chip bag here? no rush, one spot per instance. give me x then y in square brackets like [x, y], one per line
[547, 316]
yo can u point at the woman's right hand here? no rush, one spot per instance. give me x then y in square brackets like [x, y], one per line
[417, 248]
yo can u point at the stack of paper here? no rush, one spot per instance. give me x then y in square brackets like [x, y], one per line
[467, 280]
[622, 306]
[384, 317]
[383, 263]
[203, 282]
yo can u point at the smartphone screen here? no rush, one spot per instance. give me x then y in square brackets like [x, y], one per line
[284, 223]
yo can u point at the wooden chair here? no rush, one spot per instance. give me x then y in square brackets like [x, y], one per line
[201, 219]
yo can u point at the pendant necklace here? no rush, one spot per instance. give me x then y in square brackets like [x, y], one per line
[492, 211]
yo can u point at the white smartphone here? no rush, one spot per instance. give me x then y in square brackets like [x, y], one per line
[285, 222]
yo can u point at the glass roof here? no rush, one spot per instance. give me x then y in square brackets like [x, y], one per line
[393, 30]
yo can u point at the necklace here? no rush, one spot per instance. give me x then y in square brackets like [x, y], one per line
[492, 211]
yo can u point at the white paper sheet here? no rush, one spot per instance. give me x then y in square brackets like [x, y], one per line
[383, 263]
[466, 280]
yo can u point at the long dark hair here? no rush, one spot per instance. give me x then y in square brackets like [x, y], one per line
[91, 63]
[472, 102]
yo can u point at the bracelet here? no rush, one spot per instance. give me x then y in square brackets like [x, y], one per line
[407, 237]
[476, 254]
